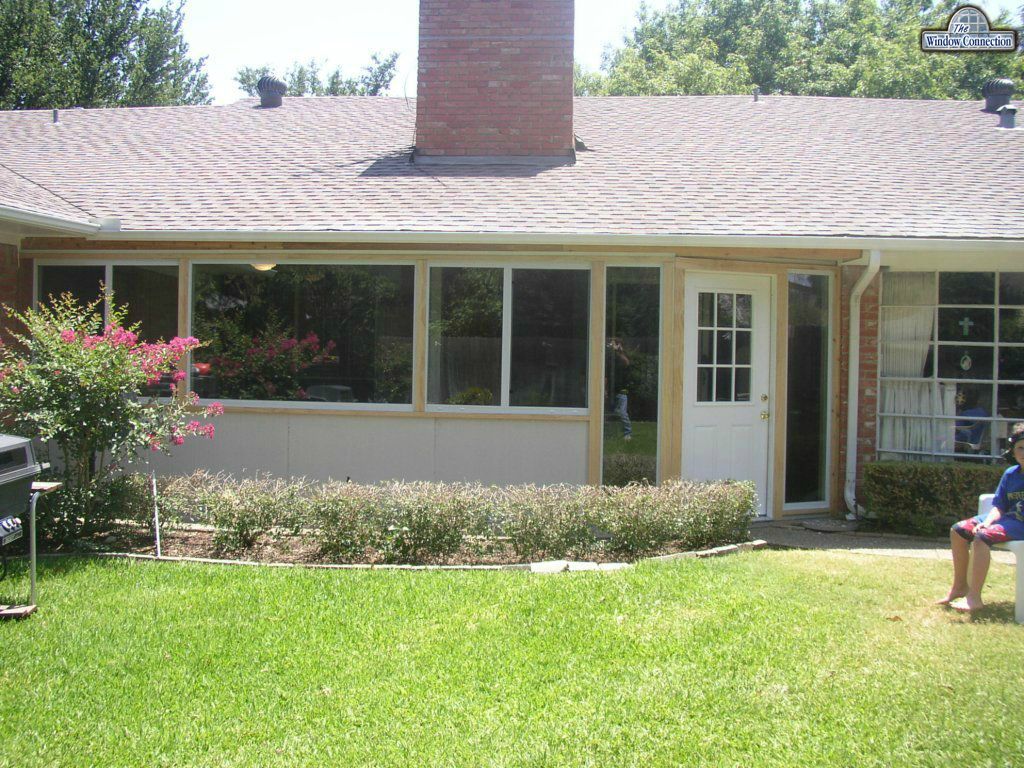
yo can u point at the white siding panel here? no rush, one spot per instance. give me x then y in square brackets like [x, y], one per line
[374, 448]
[243, 445]
[366, 449]
[508, 452]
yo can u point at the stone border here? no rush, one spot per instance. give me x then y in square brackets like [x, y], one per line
[546, 566]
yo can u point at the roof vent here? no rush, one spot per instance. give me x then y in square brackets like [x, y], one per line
[270, 90]
[1007, 116]
[997, 93]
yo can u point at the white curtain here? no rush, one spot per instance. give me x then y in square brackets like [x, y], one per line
[907, 333]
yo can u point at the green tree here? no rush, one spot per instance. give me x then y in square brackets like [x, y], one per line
[96, 53]
[307, 80]
[815, 47]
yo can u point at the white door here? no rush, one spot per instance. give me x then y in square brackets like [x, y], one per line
[726, 395]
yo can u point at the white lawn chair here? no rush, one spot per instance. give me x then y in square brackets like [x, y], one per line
[1017, 547]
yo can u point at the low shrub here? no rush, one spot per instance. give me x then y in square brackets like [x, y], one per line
[925, 498]
[625, 468]
[76, 513]
[442, 523]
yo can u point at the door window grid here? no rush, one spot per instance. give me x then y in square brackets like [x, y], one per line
[724, 347]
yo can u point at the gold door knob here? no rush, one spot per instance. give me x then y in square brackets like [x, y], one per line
[764, 416]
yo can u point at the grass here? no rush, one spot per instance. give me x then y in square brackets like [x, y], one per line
[644, 442]
[761, 659]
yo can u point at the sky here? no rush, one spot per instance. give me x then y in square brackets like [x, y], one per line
[344, 33]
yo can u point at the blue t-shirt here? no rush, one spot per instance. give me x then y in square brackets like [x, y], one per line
[1010, 494]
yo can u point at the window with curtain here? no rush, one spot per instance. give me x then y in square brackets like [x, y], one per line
[952, 363]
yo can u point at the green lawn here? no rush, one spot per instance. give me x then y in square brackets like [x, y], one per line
[760, 659]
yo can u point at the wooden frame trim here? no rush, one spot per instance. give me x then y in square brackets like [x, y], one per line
[595, 388]
[439, 415]
[420, 336]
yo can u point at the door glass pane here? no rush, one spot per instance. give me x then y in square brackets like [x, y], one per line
[807, 400]
[725, 313]
[706, 310]
[742, 385]
[723, 385]
[743, 347]
[724, 348]
[705, 387]
[464, 357]
[744, 307]
[550, 323]
[631, 367]
[706, 348]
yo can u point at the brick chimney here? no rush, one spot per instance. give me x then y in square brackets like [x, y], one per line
[495, 79]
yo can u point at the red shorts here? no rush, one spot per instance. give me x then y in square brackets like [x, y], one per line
[1005, 529]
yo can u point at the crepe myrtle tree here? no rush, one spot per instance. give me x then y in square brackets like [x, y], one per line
[93, 389]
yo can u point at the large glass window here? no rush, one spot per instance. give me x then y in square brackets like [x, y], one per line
[632, 320]
[807, 400]
[149, 291]
[310, 333]
[508, 337]
[952, 368]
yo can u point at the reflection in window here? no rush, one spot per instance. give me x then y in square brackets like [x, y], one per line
[465, 336]
[540, 324]
[151, 293]
[808, 389]
[313, 333]
[631, 375]
[550, 319]
[85, 283]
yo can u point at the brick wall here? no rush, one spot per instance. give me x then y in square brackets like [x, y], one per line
[15, 282]
[867, 397]
[495, 78]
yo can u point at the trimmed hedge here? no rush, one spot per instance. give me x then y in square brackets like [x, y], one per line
[440, 523]
[926, 497]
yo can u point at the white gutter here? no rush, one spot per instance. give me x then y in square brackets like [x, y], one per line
[853, 384]
[29, 219]
[1014, 245]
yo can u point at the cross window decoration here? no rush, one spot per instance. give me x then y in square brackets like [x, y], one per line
[966, 324]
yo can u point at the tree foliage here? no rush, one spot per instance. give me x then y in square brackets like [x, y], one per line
[864, 48]
[96, 53]
[308, 80]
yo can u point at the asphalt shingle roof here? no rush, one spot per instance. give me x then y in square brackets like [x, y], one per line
[691, 165]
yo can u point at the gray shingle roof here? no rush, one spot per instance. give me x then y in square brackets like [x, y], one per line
[696, 165]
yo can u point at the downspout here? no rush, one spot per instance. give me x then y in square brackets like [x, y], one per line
[853, 385]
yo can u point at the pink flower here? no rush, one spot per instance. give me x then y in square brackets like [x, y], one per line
[207, 430]
[192, 427]
[177, 439]
[16, 390]
[177, 376]
[215, 409]
[67, 335]
[56, 372]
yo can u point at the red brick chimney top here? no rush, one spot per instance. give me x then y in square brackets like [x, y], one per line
[495, 79]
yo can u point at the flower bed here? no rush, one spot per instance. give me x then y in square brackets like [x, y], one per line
[438, 523]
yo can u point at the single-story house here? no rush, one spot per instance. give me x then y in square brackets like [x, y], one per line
[497, 281]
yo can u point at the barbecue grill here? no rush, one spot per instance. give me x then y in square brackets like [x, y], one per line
[18, 470]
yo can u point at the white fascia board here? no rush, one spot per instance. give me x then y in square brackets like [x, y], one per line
[608, 241]
[42, 221]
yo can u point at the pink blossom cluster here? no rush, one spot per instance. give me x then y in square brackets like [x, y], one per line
[154, 359]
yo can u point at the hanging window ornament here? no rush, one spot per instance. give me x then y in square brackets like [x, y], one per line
[966, 362]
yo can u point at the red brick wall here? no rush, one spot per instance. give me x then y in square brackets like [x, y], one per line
[495, 77]
[867, 397]
[15, 283]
